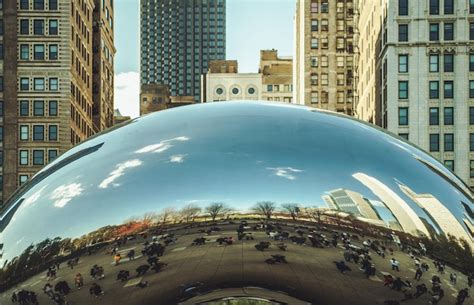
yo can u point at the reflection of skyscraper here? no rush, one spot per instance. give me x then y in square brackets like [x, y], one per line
[406, 216]
[438, 213]
[344, 202]
[329, 202]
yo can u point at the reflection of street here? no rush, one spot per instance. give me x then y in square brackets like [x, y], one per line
[310, 272]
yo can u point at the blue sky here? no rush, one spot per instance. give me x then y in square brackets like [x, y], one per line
[252, 25]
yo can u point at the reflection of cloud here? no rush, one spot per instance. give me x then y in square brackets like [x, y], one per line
[33, 198]
[161, 146]
[285, 172]
[119, 171]
[177, 158]
[65, 193]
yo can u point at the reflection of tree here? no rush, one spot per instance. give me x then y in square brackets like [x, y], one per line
[216, 209]
[315, 213]
[292, 208]
[189, 212]
[456, 252]
[167, 215]
[266, 208]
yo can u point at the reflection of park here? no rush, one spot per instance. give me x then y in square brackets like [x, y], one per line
[310, 273]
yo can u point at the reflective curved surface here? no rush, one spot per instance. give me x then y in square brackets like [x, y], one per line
[239, 203]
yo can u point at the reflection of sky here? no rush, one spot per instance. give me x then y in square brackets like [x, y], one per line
[230, 152]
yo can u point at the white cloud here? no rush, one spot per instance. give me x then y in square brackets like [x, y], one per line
[177, 158]
[285, 172]
[118, 172]
[161, 146]
[127, 93]
[65, 193]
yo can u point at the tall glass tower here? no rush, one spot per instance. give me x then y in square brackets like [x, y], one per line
[178, 39]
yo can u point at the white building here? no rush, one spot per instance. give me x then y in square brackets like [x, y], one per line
[416, 75]
[231, 86]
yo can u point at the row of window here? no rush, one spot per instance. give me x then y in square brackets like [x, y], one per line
[39, 108]
[39, 52]
[279, 88]
[434, 62]
[39, 133]
[38, 156]
[433, 88]
[434, 114]
[340, 44]
[39, 5]
[39, 84]
[38, 27]
[434, 32]
[434, 7]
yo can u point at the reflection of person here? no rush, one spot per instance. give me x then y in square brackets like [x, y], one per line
[79, 281]
[418, 274]
[96, 290]
[117, 258]
[395, 264]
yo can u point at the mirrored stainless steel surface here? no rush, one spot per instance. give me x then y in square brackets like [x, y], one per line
[236, 195]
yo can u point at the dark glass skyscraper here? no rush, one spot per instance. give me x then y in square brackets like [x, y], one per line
[178, 39]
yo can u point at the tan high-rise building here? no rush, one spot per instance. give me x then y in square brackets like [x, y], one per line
[277, 77]
[103, 64]
[323, 72]
[416, 75]
[156, 97]
[48, 84]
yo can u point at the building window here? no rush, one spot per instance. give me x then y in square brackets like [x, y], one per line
[434, 89]
[403, 116]
[54, 86]
[53, 51]
[52, 155]
[39, 84]
[1, 109]
[403, 32]
[448, 31]
[24, 108]
[434, 63]
[24, 52]
[314, 79]
[314, 25]
[1, 51]
[38, 28]
[53, 132]
[314, 43]
[1, 133]
[471, 89]
[471, 6]
[448, 90]
[448, 7]
[24, 132]
[24, 157]
[38, 133]
[434, 142]
[269, 88]
[53, 27]
[38, 4]
[449, 164]
[39, 52]
[403, 63]
[448, 116]
[53, 5]
[434, 116]
[24, 84]
[449, 142]
[403, 135]
[314, 61]
[448, 63]
[24, 26]
[53, 108]
[403, 7]
[434, 31]
[314, 97]
[471, 115]
[38, 157]
[471, 31]
[22, 179]
[434, 7]
[38, 108]
[24, 4]
[403, 89]
[471, 142]
[471, 61]
[471, 168]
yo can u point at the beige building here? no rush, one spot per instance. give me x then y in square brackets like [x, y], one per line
[222, 82]
[277, 76]
[47, 84]
[119, 118]
[323, 72]
[156, 97]
[416, 75]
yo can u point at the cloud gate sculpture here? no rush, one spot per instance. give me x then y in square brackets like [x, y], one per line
[239, 203]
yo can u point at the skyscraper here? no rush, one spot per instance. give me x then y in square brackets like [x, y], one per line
[46, 83]
[178, 39]
[416, 75]
[323, 73]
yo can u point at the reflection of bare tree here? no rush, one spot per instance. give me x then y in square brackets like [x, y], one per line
[189, 212]
[292, 208]
[216, 209]
[166, 215]
[315, 213]
[266, 208]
